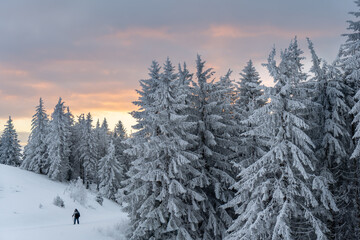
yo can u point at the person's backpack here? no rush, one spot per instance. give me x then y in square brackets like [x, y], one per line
[77, 214]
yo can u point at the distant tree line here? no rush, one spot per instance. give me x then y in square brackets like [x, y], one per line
[65, 149]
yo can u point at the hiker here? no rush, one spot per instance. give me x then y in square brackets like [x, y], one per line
[76, 216]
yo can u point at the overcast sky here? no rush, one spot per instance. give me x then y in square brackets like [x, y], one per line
[93, 53]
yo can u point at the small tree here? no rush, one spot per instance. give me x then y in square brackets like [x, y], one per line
[77, 191]
[109, 173]
[10, 148]
[58, 202]
[119, 140]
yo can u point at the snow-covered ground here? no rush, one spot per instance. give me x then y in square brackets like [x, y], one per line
[27, 211]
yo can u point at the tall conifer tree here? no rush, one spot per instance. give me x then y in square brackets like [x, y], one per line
[35, 151]
[58, 142]
[163, 188]
[278, 192]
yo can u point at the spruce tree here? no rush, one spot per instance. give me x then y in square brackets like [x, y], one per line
[249, 90]
[249, 99]
[109, 173]
[335, 146]
[35, 151]
[215, 128]
[58, 141]
[350, 55]
[10, 152]
[120, 130]
[277, 194]
[103, 138]
[332, 138]
[89, 155]
[164, 189]
[119, 140]
[349, 62]
[316, 87]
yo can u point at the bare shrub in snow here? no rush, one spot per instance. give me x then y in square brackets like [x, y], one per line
[99, 199]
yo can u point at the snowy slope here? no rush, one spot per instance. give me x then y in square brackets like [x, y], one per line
[22, 192]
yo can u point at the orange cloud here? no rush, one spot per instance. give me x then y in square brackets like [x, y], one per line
[88, 102]
[228, 31]
[13, 72]
[236, 31]
[40, 86]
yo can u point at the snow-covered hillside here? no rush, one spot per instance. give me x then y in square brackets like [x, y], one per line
[27, 211]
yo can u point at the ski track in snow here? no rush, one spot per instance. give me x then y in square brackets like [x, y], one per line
[21, 217]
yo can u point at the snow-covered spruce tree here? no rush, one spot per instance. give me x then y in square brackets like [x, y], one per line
[277, 193]
[332, 138]
[35, 151]
[58, 144]
[88, 149]
[76, 139]
[249, 99]
[10, 153]
[336, 158]
[120, 130]
[350, 56]
[354, 168]
[119, 138]
[104, 138]
[97, 136]
[109, 174]
[73, 173]
[214, 130]
[249, 90]
[253, 142]
[350, 62]
[316, 87]
[164, 189]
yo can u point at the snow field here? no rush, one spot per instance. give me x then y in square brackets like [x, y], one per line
[27, 211]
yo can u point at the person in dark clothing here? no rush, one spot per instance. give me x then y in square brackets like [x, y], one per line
[76, 216]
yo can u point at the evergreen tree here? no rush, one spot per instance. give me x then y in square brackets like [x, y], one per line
[335, 146]
[164, 189]
[89, 152]
[213, 103]
[35, 151]
[249, 99]
[350, 56]
[119, 138]
[349, 62]
[103, 138]
[58, 142]
[332, 138]
[249, 90]
[278, 192]
[120, 130]
[77, 140]
[109, 174]
[316, 87]
[10, 153]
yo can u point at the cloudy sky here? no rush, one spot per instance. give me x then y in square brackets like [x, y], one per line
[92, 53]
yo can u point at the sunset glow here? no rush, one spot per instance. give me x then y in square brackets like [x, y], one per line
[93, 55]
